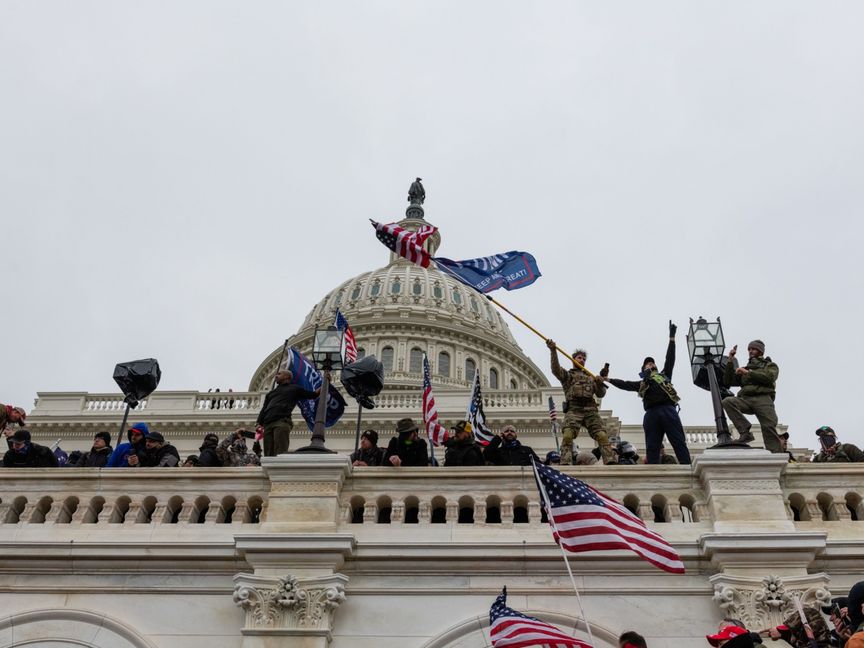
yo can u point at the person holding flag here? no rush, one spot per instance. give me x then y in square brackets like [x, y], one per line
[274, 420]
[580, 388]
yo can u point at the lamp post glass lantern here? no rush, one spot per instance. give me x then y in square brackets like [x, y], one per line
[327, 356]
[706, 346]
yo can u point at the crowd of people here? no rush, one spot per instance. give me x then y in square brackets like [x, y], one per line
[840, 624]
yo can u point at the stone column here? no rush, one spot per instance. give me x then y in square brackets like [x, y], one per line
[295, 589]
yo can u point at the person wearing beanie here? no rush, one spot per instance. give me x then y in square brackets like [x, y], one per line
[856, 615]
[758, 383]
[581, 410]
[462, 449]
[128, 455]
[158, 453]
[23, 453]
[832, 451]
[98, 455]
[660, 401]
[209, 457]
[368, 454]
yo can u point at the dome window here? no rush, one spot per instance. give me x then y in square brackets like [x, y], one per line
[396, 288]
[457, 297]
[417, 288]
[415, 361]
[437, 293]
[387, 358]
[444, 364]
[376, 288]
[493, 379]
[355, 294]
[470, 369]
[513, 384]
[474, 306]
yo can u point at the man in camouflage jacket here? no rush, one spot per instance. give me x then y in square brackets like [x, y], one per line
[582, 410]
[832, 451]
[758, 383]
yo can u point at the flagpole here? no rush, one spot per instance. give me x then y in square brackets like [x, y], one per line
[561, 547]
[514, 316]
[279, 364]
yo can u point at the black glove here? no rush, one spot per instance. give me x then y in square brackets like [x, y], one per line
[604, 372]
[673, 329]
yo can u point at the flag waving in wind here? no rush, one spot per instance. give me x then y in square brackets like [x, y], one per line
[435, 432]
[511, 629]
[510, 270]
[584, 519]
[404, 242]
[475, 416]
[349, 354]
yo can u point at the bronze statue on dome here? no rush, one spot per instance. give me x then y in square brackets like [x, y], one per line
[417, 194]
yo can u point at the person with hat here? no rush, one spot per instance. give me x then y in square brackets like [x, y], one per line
[660, 401]
[406, 448]
[838, 614]
[462, 449]
[793, 632]
[553, 458]
[758, 383]
[232, 450]
[10, 415]
[158, 453]
[23, 453]
[784, 444]
[856, 616]
[833, 451]
[582, 410]
[274, 421]
[505, 449]
[732, 636]
[128, 455]
[98, 455]
[209, 457]
[368, 454]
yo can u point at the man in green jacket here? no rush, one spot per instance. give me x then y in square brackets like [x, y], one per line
[758, 383]
[832, 451]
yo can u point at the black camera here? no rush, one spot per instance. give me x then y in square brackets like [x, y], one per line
[247, 434]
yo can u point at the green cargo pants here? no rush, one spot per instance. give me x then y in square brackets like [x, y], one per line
[276, 435]
[763, 407]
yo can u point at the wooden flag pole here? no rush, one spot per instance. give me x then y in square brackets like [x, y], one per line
[561, 547]
[514, 316]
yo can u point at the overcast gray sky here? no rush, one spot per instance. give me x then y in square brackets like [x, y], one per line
[185, 180]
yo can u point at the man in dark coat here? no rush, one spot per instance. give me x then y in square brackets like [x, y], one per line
[660, 401]
[368, 454]
[834, 451]
[406, 448]
[209, 458]
[462, 449]
[506, 450]
[98, 455]
[25, 454]
[158, 453]
[274, 420]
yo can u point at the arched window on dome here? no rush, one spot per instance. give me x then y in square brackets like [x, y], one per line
[437, 291]
[417, 288]
[396, 287]
[457, 297]
[514, 384]
[493, 379]
[474, 306]
[361, 353]
[470, 369]
[387, 358]
[376, 288]
[355, 294]
[415, 360]
[444, 364]
[490, 315]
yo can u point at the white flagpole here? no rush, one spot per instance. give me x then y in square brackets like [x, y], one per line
[563, 551]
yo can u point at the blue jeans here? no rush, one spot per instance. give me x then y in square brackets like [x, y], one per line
[664, 420]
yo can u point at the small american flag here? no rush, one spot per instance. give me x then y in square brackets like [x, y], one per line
[475, 416]
[434, 430]
[584, 519]
[350, 354]
[404, 242]
[553, 413]
[512, 629]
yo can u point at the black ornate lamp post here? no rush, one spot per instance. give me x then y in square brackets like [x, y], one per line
[327, 356]
[706, 345]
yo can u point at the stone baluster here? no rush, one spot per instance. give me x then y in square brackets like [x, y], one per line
[646, 512]
[241, 510]
[213, 513]
[53, 512]
[370, 513]
[105, 514]
[842, 512]
[186, 513]
[425, 513]
[132, 513]
[347, 513]
[507, 512]
[4, 511]
[452, 511]
[814, 509]
[673, 512]
[479, 512]
[159, 513]
[397, 514]
[534, 512]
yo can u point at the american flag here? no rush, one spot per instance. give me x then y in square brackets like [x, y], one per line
[584, 519]
[350, 354]
[553, 413]
[434, 430]
[475, 416]
[512, 629]
[404, 242]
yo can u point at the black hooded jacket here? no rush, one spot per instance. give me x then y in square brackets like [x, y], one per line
[515, 454]
[465, 453]
[411, 454]
[650, 389]
[37, 456]
[94, 458]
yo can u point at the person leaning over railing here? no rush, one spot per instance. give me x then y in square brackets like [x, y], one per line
[25, 454]
[406, 448]
[834, 451]
[232, 450]
[368, 454]
[462, 449]
[98, 455]
[159, 453]
[505, 449]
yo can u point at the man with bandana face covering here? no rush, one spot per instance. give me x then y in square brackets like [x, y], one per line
[832, 451]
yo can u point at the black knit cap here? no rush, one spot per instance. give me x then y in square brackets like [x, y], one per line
[21, 435]
[647, 360]
[105, 436]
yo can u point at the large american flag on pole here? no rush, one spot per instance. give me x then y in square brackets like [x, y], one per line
[475, 415]
[435, 432]
[350, 353]
[512, 629]
[404, 242]
[584, 519]
[553, 413]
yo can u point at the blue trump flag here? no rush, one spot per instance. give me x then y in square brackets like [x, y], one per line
[510, 270]
[307, 376]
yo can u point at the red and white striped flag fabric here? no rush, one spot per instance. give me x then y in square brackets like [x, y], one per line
[553, 413]
[350, 354]
[435, 432]
[511, 629]
[584, 519]
[404, 242]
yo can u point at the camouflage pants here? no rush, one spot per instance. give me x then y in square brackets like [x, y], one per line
[588, 417]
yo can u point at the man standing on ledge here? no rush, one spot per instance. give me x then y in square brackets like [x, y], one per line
[579, 391]
[660, 401]
[758, 383]
[274, 420]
